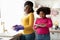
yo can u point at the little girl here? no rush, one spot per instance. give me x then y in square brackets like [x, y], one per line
[43, 24]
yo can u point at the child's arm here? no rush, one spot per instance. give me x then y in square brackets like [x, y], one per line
[48, 24]
[35, 24]
[40, 25]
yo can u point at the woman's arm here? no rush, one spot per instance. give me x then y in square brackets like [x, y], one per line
[31, 21]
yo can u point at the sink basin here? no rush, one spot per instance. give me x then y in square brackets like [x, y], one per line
[6, 35]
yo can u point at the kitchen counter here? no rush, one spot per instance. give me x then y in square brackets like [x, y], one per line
[55, 34]
[55, 31]
[6, 36]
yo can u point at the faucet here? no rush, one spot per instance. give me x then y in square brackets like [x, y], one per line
[3, 24]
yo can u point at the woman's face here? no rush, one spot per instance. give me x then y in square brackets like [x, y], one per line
[27, 9]
[42, 14]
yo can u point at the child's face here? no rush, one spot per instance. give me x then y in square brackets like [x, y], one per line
[42, 14]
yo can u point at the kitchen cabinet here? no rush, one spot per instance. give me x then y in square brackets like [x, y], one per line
[55, 34]
[5, 36]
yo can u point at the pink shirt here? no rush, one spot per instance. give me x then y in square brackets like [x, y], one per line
[43, 30]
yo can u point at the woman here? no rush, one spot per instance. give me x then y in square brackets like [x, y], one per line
[28, 21]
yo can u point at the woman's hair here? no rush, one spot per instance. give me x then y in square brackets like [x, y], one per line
[29, 3]
[46, 10]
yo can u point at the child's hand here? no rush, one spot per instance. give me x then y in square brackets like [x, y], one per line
[37, 25]
[42, 25]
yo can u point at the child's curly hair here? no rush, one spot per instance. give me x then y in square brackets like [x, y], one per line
[46, 10]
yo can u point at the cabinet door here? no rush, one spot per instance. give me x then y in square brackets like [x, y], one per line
[58, 36]
[5, 38]
[0, 38]
[55, 36]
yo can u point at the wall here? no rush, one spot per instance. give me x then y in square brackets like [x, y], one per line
[11, 12]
